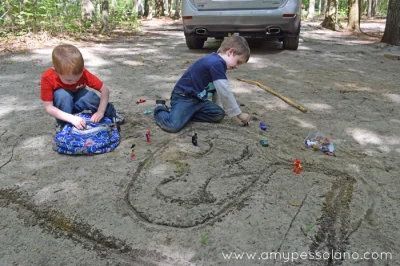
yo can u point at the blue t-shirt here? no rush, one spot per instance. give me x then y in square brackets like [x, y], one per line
[198, 79]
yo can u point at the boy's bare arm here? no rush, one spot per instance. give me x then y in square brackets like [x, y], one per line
[78, 122]
[105, 94]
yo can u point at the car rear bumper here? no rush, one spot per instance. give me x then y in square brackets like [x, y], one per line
[245, 22]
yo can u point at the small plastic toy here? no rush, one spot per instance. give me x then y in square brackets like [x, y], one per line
[263, 126]
[297, 167]
[147, 112]
[194, 139]
[132, 151]
[264, 143]
[148, 140]
[140, 101]
[317, 141]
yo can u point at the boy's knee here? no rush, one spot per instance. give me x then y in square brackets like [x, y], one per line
[171, 127]
[61, 94]
[63, 100]
[90, 97]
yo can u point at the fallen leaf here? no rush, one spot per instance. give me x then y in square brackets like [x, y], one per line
[294, 203]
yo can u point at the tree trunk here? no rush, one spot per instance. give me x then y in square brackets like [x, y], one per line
[392, 29]
[34, 28]
[311, 8]
[369, 13]
[319, 7]
[330, 17]
[104, 16]
[87, 11]
[324, 10]
[159, 9]
[148, 9]
[354, 16]
[169, 7]
[374, 7]
[177, 9]
[139, 5]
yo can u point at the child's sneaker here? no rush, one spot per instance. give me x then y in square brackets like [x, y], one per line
[160, 103]
[119, 119]
[59, 127]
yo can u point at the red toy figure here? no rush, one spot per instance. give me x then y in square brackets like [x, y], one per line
[148, 136]
[140, 101]
[297, 167]
[133, 150]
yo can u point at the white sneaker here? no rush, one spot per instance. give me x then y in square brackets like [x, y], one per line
[119, 119]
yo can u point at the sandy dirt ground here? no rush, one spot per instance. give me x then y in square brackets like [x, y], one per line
[177, 204]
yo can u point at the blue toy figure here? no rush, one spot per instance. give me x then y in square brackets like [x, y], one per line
[263, 126]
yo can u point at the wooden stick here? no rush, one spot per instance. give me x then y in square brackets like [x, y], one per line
[393, 57]
[286, 100]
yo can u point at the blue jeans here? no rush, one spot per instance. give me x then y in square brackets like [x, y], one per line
[75, 102]
[184, 109]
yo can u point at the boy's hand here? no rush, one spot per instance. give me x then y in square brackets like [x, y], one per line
[244, 117]
[96, 117]
[78, 122]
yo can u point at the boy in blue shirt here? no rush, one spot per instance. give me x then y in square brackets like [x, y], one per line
[204, 79]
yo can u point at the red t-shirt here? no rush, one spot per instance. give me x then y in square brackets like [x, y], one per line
[51, 82]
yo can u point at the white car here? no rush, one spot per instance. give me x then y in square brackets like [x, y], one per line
[252, 19]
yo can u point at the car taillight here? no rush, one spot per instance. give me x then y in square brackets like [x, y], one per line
[187, 17]
[289, 15]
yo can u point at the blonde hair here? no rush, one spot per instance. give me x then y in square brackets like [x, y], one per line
[238, 43]
[67, 60]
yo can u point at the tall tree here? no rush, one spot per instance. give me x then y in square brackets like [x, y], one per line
[169, 7]
[311, 8]
[319, 7]
[87, 11]
[177, 14]
[330, 21]
[325, 7]
[354, 16]
[104, 16]
[139, 7]
[392, 29]
[374, 7]
[159, 8]
[148, 9]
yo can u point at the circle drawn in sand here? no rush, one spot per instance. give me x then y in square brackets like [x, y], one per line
[183, 185]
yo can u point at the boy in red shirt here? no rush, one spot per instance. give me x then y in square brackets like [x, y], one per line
[63, 90]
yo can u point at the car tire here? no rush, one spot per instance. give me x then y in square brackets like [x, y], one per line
[194, 42]
[290, 42]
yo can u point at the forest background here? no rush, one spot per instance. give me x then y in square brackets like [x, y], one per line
[27, 17]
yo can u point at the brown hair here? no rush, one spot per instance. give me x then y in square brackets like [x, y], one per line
[238, 43]
[67, 60]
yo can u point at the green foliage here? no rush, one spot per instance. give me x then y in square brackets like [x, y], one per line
[204, 238]
[343, 6]
[59, 16]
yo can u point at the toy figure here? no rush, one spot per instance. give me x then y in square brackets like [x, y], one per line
[132, 151]
[148, 136]
[194, 139]
[297, 167]
[140, 101]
